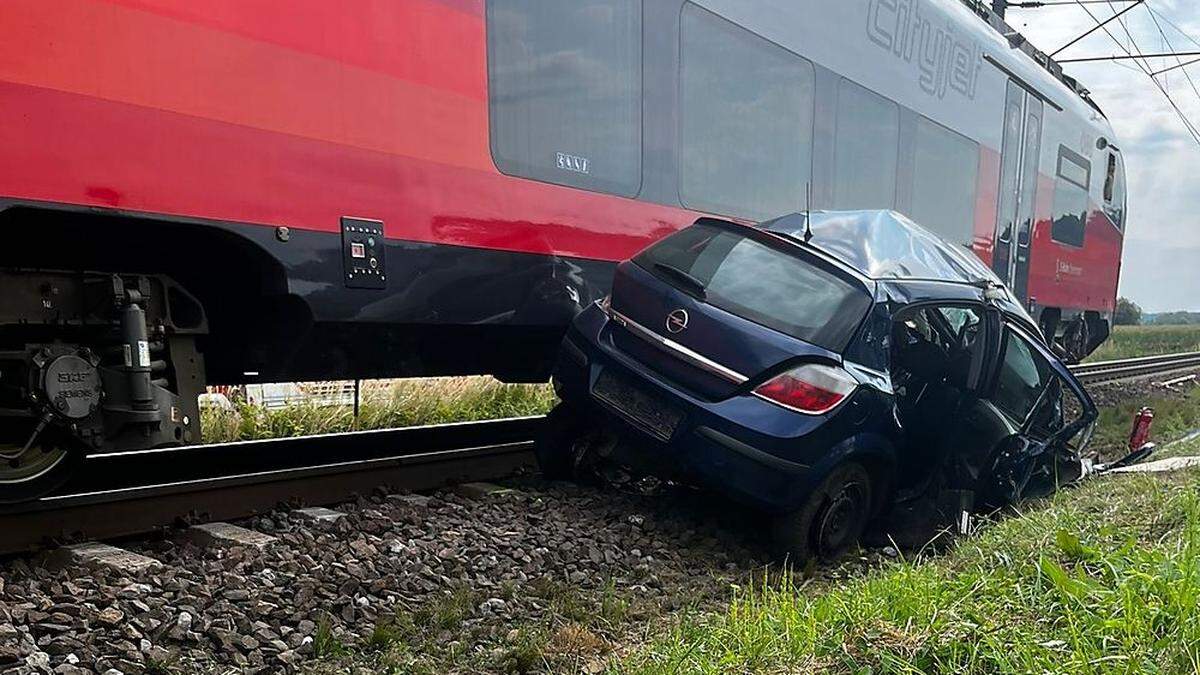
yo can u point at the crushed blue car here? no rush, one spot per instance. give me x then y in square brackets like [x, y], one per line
[825, 368]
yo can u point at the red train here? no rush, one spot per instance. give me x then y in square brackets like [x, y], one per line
[255, 190]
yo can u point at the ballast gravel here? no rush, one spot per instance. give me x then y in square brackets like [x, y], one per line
[215, 606]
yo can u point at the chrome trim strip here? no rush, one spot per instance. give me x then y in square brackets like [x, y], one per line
[677, 349]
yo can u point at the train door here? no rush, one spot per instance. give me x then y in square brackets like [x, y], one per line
[1019, 157]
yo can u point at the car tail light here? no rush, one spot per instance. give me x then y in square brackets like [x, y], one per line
[811, 389]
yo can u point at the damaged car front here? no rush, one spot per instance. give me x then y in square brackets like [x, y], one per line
[826, 368]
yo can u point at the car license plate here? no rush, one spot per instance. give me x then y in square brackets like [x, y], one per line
[640, 408]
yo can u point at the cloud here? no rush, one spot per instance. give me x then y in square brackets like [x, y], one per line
[1160, 269]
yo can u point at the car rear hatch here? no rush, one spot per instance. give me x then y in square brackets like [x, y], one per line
[717, 304]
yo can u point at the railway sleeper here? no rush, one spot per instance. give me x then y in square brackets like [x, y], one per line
[92, 362]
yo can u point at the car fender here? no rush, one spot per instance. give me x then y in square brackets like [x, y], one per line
[872, 449]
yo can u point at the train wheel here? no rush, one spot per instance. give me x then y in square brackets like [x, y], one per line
[1075, 340]
[29, 472]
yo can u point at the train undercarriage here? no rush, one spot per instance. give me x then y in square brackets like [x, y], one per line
[92, 363]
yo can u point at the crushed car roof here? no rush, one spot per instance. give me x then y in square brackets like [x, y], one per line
[885, 245]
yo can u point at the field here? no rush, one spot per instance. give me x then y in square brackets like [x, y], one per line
[1131, 341]
[397, 403]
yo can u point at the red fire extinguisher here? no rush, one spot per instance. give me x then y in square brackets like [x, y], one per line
[1141, 428]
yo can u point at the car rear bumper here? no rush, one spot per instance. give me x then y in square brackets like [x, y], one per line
[743, 446]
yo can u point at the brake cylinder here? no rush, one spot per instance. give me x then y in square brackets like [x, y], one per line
[135, 340]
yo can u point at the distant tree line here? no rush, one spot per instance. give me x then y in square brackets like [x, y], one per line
[1128, 313]
[1176, 319]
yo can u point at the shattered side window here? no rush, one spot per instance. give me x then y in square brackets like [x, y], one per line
[961, 318]
[1059, 408]
[1023, 375]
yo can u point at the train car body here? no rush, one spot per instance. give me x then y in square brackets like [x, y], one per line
[383, 188]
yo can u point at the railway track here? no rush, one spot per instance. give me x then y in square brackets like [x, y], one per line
[125, 494]
[1123, 369]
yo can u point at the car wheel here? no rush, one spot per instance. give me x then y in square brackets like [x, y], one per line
[832, 518]
[554, 446]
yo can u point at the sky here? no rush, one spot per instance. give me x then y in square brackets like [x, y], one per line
[1161, 263]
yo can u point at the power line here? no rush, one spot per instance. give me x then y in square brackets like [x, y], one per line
[1098, 26]
[1178, 61]
[1126, 57]
[1181, 65]
[1034, 4]
[1174, 25]
[1178, 111]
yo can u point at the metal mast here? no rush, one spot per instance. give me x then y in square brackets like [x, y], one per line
[998, 7]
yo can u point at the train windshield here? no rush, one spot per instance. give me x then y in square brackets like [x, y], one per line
[785, 290]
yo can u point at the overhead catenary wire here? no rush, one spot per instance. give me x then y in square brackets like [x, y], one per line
[1128, 57]
[1178, 60]
[1099, 25]
[1175, 67]
[1191, 128]
[1134, 54]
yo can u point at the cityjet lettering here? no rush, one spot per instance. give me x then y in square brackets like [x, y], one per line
[919, 36]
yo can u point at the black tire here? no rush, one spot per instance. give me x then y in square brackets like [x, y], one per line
[831, 520]
[554, 446]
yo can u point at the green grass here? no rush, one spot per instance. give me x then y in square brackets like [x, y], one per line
[1130, 341]
[399, 404]
[1173, 418]
[1103, 578]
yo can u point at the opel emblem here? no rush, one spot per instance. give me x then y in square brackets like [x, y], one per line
[677, 321]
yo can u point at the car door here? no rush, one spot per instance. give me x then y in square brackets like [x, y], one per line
[1045, 420]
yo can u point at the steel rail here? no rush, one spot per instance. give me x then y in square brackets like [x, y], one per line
[124, 494]
[1123, 369]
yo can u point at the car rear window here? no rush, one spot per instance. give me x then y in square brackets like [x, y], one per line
[776, 288]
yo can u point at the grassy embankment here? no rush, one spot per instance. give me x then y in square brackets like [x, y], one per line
[1130, 341]
[1104, 578]
[398, 403]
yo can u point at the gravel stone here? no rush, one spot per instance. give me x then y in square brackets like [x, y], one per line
[110, 616]
[509, 561]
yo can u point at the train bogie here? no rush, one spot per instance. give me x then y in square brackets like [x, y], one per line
[92, 362]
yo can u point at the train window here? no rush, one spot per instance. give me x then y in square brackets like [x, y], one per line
[565, 83]
[945, 173]
[1071, 198]
[1114, 195]
[1110, 177]
[747, 119]
[867, 144]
